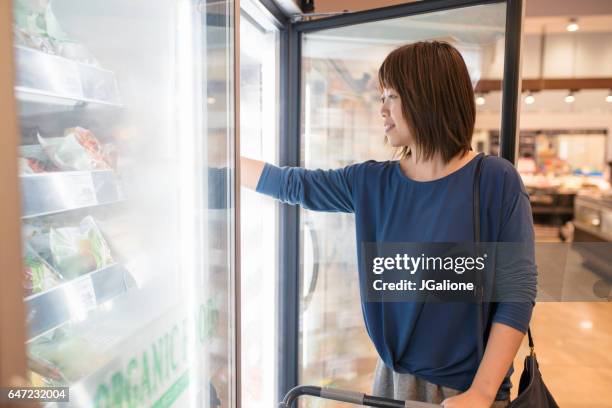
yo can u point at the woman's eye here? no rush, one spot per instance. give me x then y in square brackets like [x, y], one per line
[389, 96]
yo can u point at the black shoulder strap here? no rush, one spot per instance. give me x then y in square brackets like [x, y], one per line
[479, 287]
[480, 292]
[476, 199]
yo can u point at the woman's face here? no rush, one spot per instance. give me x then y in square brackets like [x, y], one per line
[396, 127]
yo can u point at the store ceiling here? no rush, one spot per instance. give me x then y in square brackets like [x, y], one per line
[587, 24]
[574, 8]
[587, 101]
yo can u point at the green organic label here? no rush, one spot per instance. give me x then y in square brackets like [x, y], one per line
[173, 392]
[148, 373]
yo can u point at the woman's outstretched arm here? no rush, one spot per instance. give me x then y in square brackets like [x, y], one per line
[250, 172]
[318, 190]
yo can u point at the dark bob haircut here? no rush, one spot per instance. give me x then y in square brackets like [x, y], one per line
[436, 94]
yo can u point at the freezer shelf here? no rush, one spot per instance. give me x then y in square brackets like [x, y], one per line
[48, 193]
[43, 77]
[72, 300]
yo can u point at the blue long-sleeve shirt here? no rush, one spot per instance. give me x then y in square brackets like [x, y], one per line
[434, 341]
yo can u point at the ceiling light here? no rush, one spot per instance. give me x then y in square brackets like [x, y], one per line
[572, 25]
[609, 97]
[570, 98]
[480, 100]
[529, 99]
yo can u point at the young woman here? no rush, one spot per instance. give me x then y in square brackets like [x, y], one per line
[428, 351]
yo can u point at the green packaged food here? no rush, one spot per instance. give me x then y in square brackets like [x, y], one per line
[78, 250]
[38, 276]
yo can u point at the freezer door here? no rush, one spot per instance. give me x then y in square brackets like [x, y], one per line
[340, 124]
[125, 156]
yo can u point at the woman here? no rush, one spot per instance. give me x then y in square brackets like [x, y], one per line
[428, 351]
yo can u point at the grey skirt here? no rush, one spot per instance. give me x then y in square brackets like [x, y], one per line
[389, 384]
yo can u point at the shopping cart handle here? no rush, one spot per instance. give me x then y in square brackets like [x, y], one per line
[349, 396]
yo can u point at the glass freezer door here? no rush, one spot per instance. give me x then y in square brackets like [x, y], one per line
[341, 124]
[126, 123]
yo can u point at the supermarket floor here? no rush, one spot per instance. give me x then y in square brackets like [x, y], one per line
[573, 342]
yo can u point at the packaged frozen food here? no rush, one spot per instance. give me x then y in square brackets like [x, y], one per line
[44, 372]
[101, 250]
[78, 250]
[28, 165]
[44, 44]
[37, 27]
[78, 149]
[32, 165]
[30, 15]
[53, 355]
[21, 37]
[33, 160]
[71, 250]
[38, 275]
[31, 20]
[36, 236]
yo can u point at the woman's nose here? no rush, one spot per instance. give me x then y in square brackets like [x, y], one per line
[384, 112]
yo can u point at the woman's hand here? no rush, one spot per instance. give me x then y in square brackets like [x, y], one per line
[502, 346]
[469, 399]
[250, 171]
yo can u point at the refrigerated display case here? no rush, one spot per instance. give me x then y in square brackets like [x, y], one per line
[128, 265]
[123, 109]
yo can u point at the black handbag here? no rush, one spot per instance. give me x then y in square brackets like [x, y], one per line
[532, 392]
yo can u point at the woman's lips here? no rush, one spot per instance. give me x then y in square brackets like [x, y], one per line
[389, 126]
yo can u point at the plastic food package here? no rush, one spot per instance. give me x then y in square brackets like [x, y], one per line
[52, 356]
[22, 37]
[36, 237]
[43, 44]
[44, 373]
[29, 165]
[30, 15]
[78, 250]
[38, 275]
[31, 25]
[78, 149]
[100, 248]
[32, 160]
[37, 27]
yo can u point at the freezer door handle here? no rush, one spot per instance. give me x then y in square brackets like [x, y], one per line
[314, 277]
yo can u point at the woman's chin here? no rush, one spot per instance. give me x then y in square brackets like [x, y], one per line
[394, 143]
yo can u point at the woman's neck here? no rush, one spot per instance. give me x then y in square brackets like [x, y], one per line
[434, 168]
